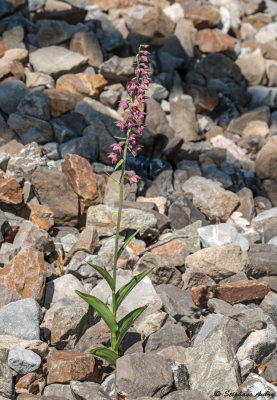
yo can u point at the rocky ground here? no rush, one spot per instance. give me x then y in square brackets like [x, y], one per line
[207, 201]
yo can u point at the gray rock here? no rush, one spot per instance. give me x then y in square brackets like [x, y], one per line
[23, 361]
[219, 306]
[216, 203]
[261, 95]
[4, 226]
[51, 32]
[266, 224]
[110, 97]
[182, 211]
[216, 235]
[153, 375]
[6, 376]
[34, 5]
[156, 120]
[55, 60]
[86, 146]
[119, 69]
[31, 129]
[162, 185]
[15, 90]
[51, 150]
[263, 260]
[246, 367]
[29, 235]
[255, 387]
[157, 92]
[21, 318]
[62, 131]
[168, 335]
[193, 276]
[271, 367]
[88, 391]
[59, 390]
[86, 43]
[35, 104]
[269, 306]
[79, 267]
[180, 374]
[228, 69]
[259, 346]
[246, 207]
[215, 174]
[250, 318]
[7, 295]
[212, 364]
[113, 188]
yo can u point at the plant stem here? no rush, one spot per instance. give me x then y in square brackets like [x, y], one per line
[118, 225]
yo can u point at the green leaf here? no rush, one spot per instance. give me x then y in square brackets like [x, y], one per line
[125, 244]
[106, 354]
[125, 323]
[112, 177]
[118, 164]
[104, 273]
[126, 289]
[100, 307]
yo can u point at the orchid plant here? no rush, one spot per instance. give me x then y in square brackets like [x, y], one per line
[131, 127]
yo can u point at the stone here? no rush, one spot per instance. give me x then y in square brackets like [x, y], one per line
[97, 335]
[35, 79]
[219, 262]
[168, 335]
[55, 191]
[55, 60]
[203, 16]
[10, 190]
[151, 323]
[256, 386]
[246, 207]
[58, 389]
[35, 104]
[112, 191]
[271, 71]
[262, 260]
[62, 101]
[212, 364]
[250, 318]
[216, 235]
[41, 216]
[270, 188]
[259, 128]
[174, 12]
[234, 292]
[104, 219]
[87, 390]
[64, 286]
[213, 41]
[156, 119]
[183, 117]
[204, 99]
[265, 166]
[270, 372]
[87, 147]
[153, 375]
[269, 306]
[162, 185]
[26, 274]
[228, 68]
[258, 346]
[218, 203]
[22, 319]
[78, 171]
[36, 346]
[163, 270]
[254, 76]
[86, 43]
[87, 242]
[186, 34]
[119, 69]
[155, 23]
[82, 83]
[265, 224]
[157, 92]
[65, 366]
[237, 125]
[29, 235]
[23, 361]
[15, 55]
[186, 395]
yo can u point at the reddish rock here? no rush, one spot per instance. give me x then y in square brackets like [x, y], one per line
[62, 101]
[55, 191]
[3, 47]
[175, 250]
[83, 84]
[10, 190]
[79, 173]
[33, 382]
[234, 292]
[268, 51]
[204, 99]
[41, 216]
[65, 366]
[17, 69]
[26, 274]
[259, 20]
[213, 41]
[203, 16]
[155, 23]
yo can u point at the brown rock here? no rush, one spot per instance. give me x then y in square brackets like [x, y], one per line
[253, 67]
[258, 20]
[15, 55]
[175, 250]
[204, 99]
[55, 191]
[41, 216]
[79, 173]
[4, 68]
[87, 242]
[66, 366]
[33, 382]
[34, 396]
[3, 47]
[266, 162]
[106, 4]
[10, 190]
[156, 23]
[62, 101]
[268, 51]
[234, 292]
[26, 274]
[86, 43]
[213, 41]
[203, 16]
[17, 70]
[83, 84]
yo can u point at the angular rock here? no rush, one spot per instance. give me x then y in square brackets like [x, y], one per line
[153, 375]
[35, 79]
[266, 161]
[212, 364]
[203, 16]
[237, 125]
[112, 191]
[55, 60]
[186, 34]
[213, 41]
[228, 69]
[168, 335]
[82, 83]
[10, 190]
[62, 101]
[59, 390]
[35, 105]
[66, 366]
[265, 224]
[251, 318]
[51, 32]
[30, 129]
[262, 260]
[156, 23]
[36, 346]
[23, 361]
[87, 390]
[269, 306]
[116, 68]
[22, 319]
[29, 235]
[246, 207]
[86, 243]
[256, 386]
[205, 99]
[41, 216]
[55, 191]
[187, 395]
[86, 43]
[104, 219]
[26, 274]
[258, 128]
[256, 75]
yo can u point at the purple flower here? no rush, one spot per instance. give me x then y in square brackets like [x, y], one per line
[117, 147]
[130, 179]
[114, 157]
[120, 125]
[123, 104]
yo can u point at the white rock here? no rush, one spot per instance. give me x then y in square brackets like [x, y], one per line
[174, 12]
[23, 361]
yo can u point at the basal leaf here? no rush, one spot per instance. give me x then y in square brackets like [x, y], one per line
[106, 354]
[100, 307]
[127, 241]
[126, 289]
[104, 273]
[125, 323]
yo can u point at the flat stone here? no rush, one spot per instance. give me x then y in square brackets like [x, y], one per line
[66, 366]
[116, 68]
[55, 191]
[31, 129]
[82, 83]
[26, 274]
[55, 60]
[59, 390]
[23, 361]
[213, 41]
[262, 260]
[186, 395]
[237, 125]
[35, 79]
[10, 190]
[22, 319]
[212, 364]
[251, 318]
[87, 390]
[153, 375]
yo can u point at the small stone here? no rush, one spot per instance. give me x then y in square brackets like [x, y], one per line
[254, 385]
[174, 12]
[269, 305]
[36, 346]
[35, 104]
[256, 75]
[266, 161]
[62, 101]
[35, 79]
[66, 366]
[265, 224]
[246, 207]
[29, 235]
[23, 361]
[86, 43]
[83, 84]
[186, 33]
[41, 216]
[149, 324]
[59, 390]
[156, 23]
[203, 16]
[259, 128]
[213, 41]
[87, 390]
[205, 99]
[10, 190]
[168, 335]
[237, 125]
[117, 68]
